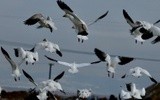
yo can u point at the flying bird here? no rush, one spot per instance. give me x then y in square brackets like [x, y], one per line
[138, 72]
[143, 29]
[49, 46]
[79, 25]
[111, 63]
[43, 22]
[30, 56]
[15, 67]
[84, 93]
[51, 85]
[73, 67]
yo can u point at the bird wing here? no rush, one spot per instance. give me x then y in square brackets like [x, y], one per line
[100, 54]
[125, 60]
[128, 18]
[156, 40]
[144, 71]
[83, 64]
[64, 6]
[51, 59]
[64, 63]
[29, 77]
[6, 55]
[58, 77]
[99, 18]
[33, 19]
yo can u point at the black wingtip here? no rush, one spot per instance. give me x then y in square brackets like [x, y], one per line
[58, 77]
[123, 76]
[59, 53]
[50, 58]
[153, 80]
[5, 52]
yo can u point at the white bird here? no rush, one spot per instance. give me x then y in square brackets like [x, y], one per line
[49, 46]
[111, 63]
[138, 72]
[84, 93]
[15, 67]
[80, 26]
[125, 94]
[43, 22]
[144, 29]
[73, 67]
[132, 92]
[42, 95]
[51, 85]
[30, 56]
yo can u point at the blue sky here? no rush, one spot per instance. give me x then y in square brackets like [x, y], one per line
[110, 35]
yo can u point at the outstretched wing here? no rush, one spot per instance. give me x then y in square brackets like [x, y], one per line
[64, 7]
[29, 77]
[99, 18]
[58, 77]
[6, 55]
[33, 19]
[125, 60]
[128, 18]
[100, 54]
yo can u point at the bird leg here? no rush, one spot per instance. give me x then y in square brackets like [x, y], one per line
[108, 74]
[15, 79]
[112, 75]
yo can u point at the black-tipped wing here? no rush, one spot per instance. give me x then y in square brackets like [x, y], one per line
[99, 18]
[95, 62]
[153, 80]
[59, 53]
[5, 53]
[16, 52]
[100, 54]
[125, 60]
[64, 6]
[123, 76]
[156, 40]
[33, 19]
[29, 77]
[128, 18]
[156, 22]
[58, 77]
[128, 86]
[50, 58]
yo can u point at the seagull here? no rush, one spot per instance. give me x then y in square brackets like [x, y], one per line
[15, 67]
[73, 67]
[49, 46]
[30, 56]
[43, 22]
[111, 63]
[143, 29]
[84, 93]
[125, 94]
[51, 85]
[79, 25]
[138, 72]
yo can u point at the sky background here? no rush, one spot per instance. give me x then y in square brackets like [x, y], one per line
[111, 35]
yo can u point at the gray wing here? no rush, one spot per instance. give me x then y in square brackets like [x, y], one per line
[33, 19]
[6, 55]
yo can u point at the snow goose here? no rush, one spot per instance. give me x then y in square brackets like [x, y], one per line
[147, 29]
[15, 67]
[43, 22]
[111, 63]
[138, 72]
[73, 67]
[49, 46]
[51, 85]
[80, 26]
[30, 56]
[84, 93]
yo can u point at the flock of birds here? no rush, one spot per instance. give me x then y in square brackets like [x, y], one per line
[141, 30]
